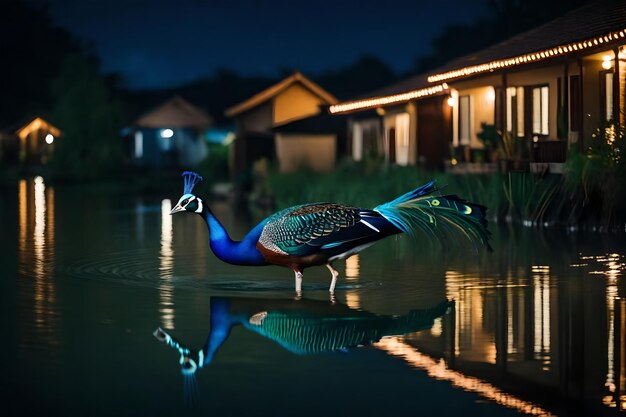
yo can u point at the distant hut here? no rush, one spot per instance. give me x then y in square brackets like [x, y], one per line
[170, 135]
[294, 98]
[31, 143]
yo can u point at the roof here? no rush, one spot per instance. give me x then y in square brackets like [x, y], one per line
[274, 90]
[176, 112]
[590, 27]
[322, 123]
[36, 124]
[593, 22]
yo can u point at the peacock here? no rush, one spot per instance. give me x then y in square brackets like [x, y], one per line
[320, 233]
[303, 327]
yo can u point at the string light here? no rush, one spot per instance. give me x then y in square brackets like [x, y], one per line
[386, 100]
[530, 57]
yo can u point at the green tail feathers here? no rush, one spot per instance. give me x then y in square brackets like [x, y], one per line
[437, 216]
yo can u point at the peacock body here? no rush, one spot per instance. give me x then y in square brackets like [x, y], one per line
[320, 233]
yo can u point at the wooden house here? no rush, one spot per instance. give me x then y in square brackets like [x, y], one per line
[31, 143]
[292, 99]
[543, 90]
[171, 135]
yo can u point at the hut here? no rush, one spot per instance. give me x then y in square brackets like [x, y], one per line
[171, 135]
[30, 143]
[293, 99]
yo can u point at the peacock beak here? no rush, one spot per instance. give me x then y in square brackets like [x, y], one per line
[176, 209]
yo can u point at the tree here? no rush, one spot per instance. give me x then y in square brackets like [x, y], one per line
[32, 50]
[506, 18]
[90, 117]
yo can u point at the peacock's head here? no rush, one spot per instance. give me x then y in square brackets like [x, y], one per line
[189, 360]
[189, 201]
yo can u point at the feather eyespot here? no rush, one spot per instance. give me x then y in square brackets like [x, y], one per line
[435, 202]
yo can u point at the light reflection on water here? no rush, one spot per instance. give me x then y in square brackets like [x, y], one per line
[353, 299]
[36, 258]
[530, 319]
[166, 267]
[438, 370]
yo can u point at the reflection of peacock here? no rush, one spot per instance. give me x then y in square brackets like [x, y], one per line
[302, 327]
[320, 233]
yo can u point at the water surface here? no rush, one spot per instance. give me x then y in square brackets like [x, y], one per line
[538, 327]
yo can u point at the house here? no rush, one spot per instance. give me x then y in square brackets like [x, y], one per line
[31, 143]
[542, 91]
[172, 135]
[292, 99]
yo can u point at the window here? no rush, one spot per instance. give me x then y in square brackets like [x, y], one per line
[540, 110]
[464, 120]
[515, 110]
[138, 144]
[365, 137]
[357, 141]
[402, 129]
[607, 90]
[403, 121]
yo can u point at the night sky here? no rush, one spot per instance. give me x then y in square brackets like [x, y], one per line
[158, 43]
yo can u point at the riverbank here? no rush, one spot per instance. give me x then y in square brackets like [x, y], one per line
[571, 200]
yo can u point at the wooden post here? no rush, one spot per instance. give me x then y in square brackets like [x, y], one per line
[581, 136]
[617, 114]
[565, 102]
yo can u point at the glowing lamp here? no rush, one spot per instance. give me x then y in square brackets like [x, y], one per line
[49, 139]
[167, 133]
[606, 62]
[491, 94]
[450, 101]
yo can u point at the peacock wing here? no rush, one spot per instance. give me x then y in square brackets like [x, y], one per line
[303, 230]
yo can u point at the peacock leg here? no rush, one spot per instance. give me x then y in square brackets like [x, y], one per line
[335, 274]
[298, 282]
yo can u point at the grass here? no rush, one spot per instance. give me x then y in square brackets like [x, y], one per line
[516, 197]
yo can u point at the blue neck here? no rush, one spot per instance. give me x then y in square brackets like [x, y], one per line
[236, 253]
[221, 324]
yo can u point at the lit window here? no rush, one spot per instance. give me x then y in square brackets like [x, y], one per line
[402, 129]
[608, 96]
[520, 111]
[357, 141]
[511, 98]
[138, 144]
[403, 121]
[540, 110]
[515, 110]
[464, 120]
